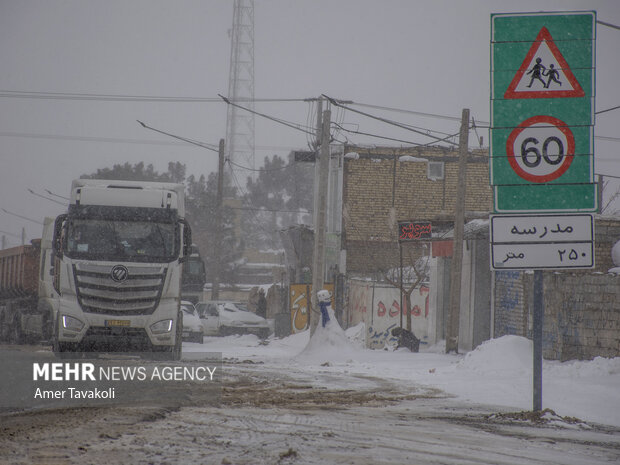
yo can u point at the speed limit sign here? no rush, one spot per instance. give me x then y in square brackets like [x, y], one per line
[541, 140]
[541, 148]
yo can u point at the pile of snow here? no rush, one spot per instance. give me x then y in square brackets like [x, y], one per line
[498, 373]
[411, 159]
[598, 367]
[328, 344]
[507, 353]
[357, 335]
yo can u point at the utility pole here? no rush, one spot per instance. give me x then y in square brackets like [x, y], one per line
[217, 257]
[452, 329]
[320, 221]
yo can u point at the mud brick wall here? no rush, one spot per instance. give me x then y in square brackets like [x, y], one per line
[582, 312]
[582, 316]
[379, 189]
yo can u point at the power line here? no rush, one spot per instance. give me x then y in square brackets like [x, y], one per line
[411, 112]
[608, 24]
[258, 169]
[46, 198]
[393, 123]
[204, 145]
[130, 98]
[295, 126]
[605, 111]
[20, 216]
[384, 137]
[86, 138]
[56, 195]
[31, 135]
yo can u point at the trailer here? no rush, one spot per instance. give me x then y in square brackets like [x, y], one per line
[27, 296]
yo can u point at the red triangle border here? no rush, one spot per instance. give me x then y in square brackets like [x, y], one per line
[544, 35]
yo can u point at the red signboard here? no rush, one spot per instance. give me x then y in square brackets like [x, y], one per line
[414, 230]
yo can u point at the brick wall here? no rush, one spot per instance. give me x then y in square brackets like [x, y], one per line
[582, 312]
[584, 322]
[379, 189]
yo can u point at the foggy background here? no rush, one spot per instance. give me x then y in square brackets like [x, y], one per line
[123, 56]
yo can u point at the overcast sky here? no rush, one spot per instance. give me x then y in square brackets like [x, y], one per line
[426, 56]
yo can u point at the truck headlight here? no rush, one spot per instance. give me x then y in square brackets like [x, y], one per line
[72, 324]
[163, 326]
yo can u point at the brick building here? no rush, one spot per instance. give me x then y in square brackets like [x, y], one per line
[384, 185]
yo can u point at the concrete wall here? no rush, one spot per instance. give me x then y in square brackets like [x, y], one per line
[378, 307]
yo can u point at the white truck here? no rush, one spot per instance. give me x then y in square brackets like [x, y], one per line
[118, 258]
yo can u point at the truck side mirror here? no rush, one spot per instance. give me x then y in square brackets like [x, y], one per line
[187, 241]
[57, 240]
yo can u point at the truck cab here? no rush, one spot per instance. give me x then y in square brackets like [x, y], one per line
[118, 257]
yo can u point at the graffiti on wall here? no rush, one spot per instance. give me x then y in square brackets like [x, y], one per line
[387, 312]
[509, 311]
[379, 308]
[300, 304]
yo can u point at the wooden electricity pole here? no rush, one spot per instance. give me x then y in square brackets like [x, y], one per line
[320, 222]
[217, 256]
[452, 329]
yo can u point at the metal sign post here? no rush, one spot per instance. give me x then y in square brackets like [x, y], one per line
[541, 147]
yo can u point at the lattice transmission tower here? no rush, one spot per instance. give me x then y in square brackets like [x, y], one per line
[240, 123]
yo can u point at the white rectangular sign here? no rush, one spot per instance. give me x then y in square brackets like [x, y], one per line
[520, 242]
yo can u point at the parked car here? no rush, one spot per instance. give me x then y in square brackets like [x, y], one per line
[192, 325]
[222, 318]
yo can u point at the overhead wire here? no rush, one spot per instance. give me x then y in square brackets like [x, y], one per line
[289, 124]
[131, 98]
[391, 122]
[384, 137]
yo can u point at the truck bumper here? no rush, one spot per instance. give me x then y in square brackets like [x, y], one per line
[92, 331]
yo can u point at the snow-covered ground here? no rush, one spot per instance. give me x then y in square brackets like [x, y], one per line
[497, 373]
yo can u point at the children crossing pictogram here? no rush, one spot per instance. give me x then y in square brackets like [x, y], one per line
[544, 73]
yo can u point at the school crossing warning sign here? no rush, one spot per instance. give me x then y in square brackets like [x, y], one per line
[544, 73]
[542, 112]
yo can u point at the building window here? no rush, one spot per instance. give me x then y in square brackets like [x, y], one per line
[435, 170]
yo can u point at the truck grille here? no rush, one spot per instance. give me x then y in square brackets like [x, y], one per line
[139, 294]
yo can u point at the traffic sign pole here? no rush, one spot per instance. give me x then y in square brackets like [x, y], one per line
[539, 312]
[541, 146]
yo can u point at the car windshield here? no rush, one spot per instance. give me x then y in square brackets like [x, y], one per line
[188, 310]
[121, 240]
[230, 307]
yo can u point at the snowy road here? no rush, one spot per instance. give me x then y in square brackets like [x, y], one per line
[279, 415]
[342, 404]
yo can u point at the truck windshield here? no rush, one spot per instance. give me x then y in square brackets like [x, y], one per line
[143, 241]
